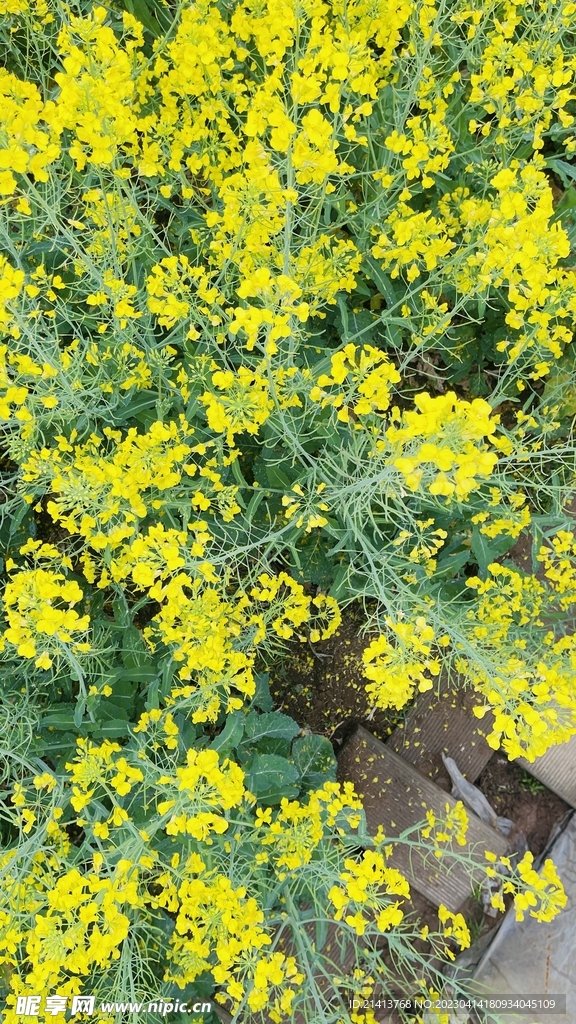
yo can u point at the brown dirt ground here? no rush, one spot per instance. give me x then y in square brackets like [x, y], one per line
[514, 794]
[322, 686]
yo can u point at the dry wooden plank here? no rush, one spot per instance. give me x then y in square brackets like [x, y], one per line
[443, 722]
[556, 769]
[396, 796]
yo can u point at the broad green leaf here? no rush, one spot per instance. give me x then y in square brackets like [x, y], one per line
[314, 758]
[271, 724]
[487, 549]
[270, 778]
[262, 698]
[61, 719]
[231, 734]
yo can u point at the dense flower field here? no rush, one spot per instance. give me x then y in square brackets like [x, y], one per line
[286, 301]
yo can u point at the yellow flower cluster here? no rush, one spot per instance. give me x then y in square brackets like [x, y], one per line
[366, 375]
[543, 892]
[74, 922]
[427, 144]
[453, 827]
[444, 441]
[309, 513]
[399, 663]
[559, 564]
[530, 691]
[103, 488]
[504, 521]
[167, 292]
[540, 893]
[321, 76]
[111, 105]
[203, 629]
[509, 239]
[298, 828]
[154, 556]
[533, 704]
[30, 389]
[455, 928]
[113, 222]
[81, 926]
[100, 495]
[11, 282]
[324, 268]
[39, 9]
[39, 608]
[517, 89]
[212, 912]
[27, 147]
[276, 982]
[366, 884]
[424, 551]
[260, 260]
[506, 598]
[93, 766]
[204, 784]
[241, 402]
[297, 608]
[418, 238]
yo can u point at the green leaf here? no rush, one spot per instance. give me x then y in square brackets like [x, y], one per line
[450, 563]
[253, 504]
[487, 549]
[340, 586]
[314, 758]
[315, 564]
[565, 171]
[262, 698]
[381, 280]
[141, 407]
[111, 730]
[277, 478]
[112, 718]
[134, 650]
[270, 778]
[231, 734]
[271, 724]
[139, 675]
[16, 528]
[274, 746]
[61, 719]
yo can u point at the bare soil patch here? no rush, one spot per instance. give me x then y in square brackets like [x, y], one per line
[323, 688]
[514, 794]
